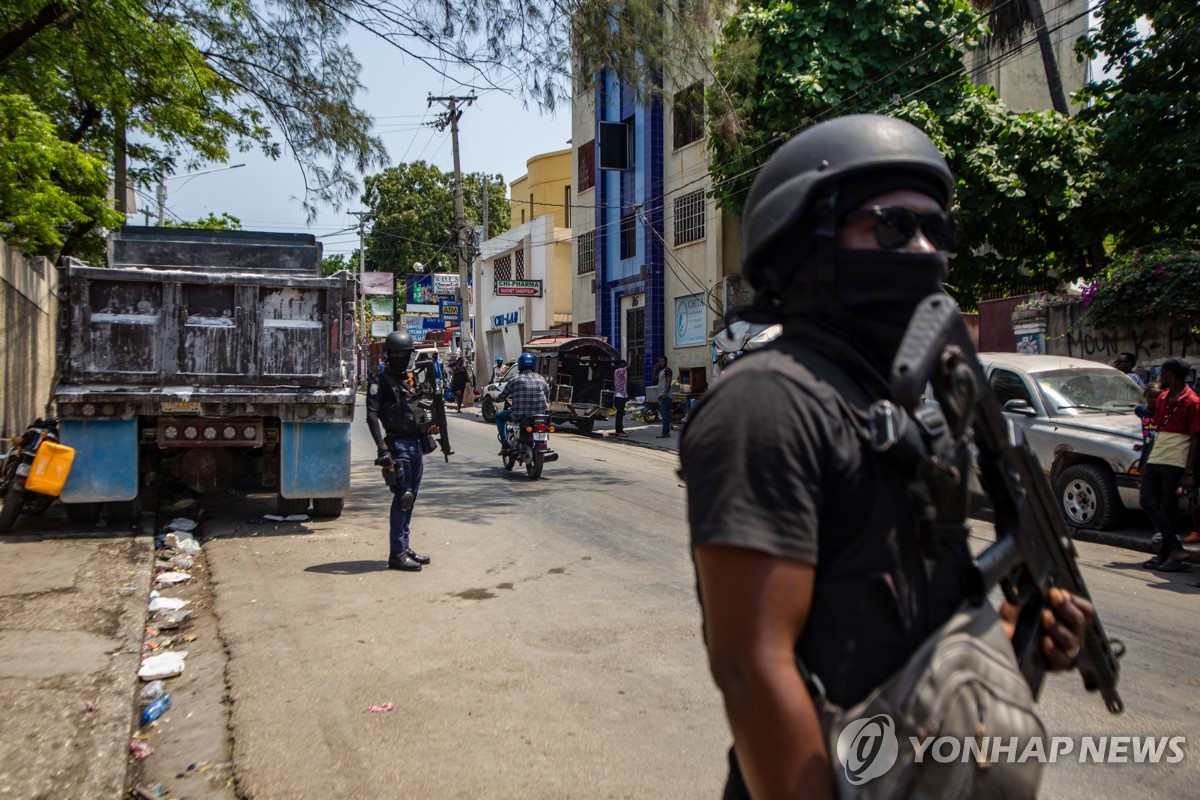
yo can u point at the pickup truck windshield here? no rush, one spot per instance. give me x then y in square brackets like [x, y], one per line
[1070, 392]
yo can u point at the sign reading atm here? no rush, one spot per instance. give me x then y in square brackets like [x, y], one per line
[519, 288]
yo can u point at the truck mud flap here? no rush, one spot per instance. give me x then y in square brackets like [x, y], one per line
[314, 459]
[106, 460]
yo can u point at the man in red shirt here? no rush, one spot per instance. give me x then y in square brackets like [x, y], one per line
[1172, 461]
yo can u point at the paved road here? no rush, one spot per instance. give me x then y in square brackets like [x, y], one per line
[552, 649]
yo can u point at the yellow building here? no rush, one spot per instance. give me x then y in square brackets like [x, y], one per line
[545, 188]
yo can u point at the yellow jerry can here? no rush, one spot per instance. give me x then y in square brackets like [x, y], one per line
[50, 468]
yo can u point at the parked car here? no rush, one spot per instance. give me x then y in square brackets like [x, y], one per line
[579, 370]
[1077, 416]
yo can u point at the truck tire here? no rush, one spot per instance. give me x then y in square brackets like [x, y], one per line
[488, 408]
[83, 512]
[286, 506]
[585, 425]
[127, 510]
[328, 506]
[10, 506]
[1087, 495]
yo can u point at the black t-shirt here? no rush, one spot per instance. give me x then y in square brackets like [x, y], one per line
[775, 463]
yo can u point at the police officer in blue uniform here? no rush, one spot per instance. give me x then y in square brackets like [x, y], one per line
[394, 407]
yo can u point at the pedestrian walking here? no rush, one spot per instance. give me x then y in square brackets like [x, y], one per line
[497, 370]
[620, 395]
[665, 378]
[1172, 462]
[811, 555]
[397, 422]
[458, 382]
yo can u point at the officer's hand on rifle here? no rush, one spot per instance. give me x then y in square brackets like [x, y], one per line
[433, 430]
[1065, 620]
[385, 459]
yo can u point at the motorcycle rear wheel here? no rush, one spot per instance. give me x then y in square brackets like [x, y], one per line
[10, 509]
[533, 467]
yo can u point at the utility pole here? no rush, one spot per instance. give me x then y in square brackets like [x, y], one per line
[451, 117]
[480, 366]
[361, 315]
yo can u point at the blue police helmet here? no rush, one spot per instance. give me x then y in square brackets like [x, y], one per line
[525, 362]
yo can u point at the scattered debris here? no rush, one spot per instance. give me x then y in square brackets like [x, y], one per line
[139, 749]
[165, 603]
[164, 665]
[185, 543]
[168, 578]
[169, 620]
[152, 691]
[181, 524]
[288, 518]
[381, 708]
[156, 709]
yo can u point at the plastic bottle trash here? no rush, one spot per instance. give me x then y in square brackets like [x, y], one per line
[183, 542]
[156, 709]
[152, 691]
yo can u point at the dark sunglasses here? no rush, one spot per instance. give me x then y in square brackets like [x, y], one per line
[895, 226]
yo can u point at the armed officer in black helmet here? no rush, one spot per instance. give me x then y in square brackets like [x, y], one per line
[805, 546]
[394, 407]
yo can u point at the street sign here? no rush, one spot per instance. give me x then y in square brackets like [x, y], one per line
[519, 288]
[451, 311]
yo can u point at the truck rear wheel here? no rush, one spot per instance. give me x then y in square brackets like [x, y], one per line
[1087, 495]
[286, 506]
[328, 506]
[83, 512]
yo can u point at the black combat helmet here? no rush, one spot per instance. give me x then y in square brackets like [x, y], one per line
[398, 342]
[818, 177]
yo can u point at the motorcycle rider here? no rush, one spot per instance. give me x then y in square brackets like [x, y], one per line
[393, 404]
[530, 396]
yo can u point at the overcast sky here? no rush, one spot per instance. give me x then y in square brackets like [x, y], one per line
[495, 135]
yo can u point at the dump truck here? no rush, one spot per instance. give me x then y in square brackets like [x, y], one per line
[219, 358]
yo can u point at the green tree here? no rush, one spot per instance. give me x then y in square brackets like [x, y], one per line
[1148, 111]
[1022, 178]
[210, 222]
[46, 185]
[411, 208]
[339, 261]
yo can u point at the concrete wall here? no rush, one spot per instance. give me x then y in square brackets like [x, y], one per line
[1068, 333]
[1017, 73]
[28, 314]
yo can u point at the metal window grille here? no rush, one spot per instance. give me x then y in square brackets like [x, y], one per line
[689, 115]
[628, 235]
[503, 268]
[587, 165]
[587, 253]
[689, 217]
[519, 272]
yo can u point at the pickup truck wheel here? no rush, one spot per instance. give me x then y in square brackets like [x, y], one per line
[585, 425]
[328, 506]
[1088, 496]
[286, 506]
[83, 512]
[488, 409]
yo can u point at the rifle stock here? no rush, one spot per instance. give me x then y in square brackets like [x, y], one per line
[1033, 551]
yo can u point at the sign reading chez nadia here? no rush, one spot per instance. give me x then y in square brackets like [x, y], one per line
[519, 288]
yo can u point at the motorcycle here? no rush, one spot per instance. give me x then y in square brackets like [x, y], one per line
[29, 484]
[528, 443]
[679, 411]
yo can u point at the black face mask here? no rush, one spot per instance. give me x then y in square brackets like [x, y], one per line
[876, 293]
[399, 362]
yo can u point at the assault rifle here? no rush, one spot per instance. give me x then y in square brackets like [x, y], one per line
[431, 399]
[1033, 551]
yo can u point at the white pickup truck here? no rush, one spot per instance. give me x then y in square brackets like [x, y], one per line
[1078, 417]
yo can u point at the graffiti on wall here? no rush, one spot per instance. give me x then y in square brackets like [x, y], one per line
[1151, 340]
